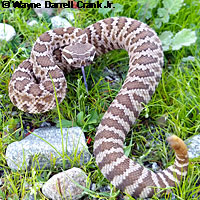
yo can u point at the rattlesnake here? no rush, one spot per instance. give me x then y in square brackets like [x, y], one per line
[31, 90]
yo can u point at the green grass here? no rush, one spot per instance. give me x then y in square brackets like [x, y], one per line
[177, 98]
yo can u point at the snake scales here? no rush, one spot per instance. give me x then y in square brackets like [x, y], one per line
[31, 90]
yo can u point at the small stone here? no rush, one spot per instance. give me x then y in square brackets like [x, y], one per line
[193, 145]
[29, 197]
[1, 182]
[188, 59]
[68, 15]
[105, 188]
[155, 167]
[63, 185]
[162, 120]
[43, 9]
[93, 187]
[20, 154]
[111, 76]
[14, 113]
[27, 185]
[58, 22]
[7, 32]
[32, 22]
[45, 124]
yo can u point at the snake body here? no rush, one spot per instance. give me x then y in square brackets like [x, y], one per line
[31, 90]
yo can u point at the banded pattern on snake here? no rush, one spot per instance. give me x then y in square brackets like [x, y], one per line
[31, 90]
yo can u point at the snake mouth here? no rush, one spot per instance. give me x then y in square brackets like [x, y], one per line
[79, 55]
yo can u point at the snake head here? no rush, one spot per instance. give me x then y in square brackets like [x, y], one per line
[78, 55]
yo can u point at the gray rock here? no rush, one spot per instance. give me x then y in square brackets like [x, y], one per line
[155, 167]
[1, 182]
[193, 145]
[45, 144]
[111, 76]
[40, 11]
[45, 124]
[34, 190]
[7, 32]
[188, 59]
[68, 15]
[29, 197]
[162, 120]
[32, 22]
[64, 185]
[58, 22]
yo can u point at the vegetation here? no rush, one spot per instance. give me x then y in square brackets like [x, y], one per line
[174, 107]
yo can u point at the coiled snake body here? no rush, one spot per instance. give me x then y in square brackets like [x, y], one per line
[31, 90]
